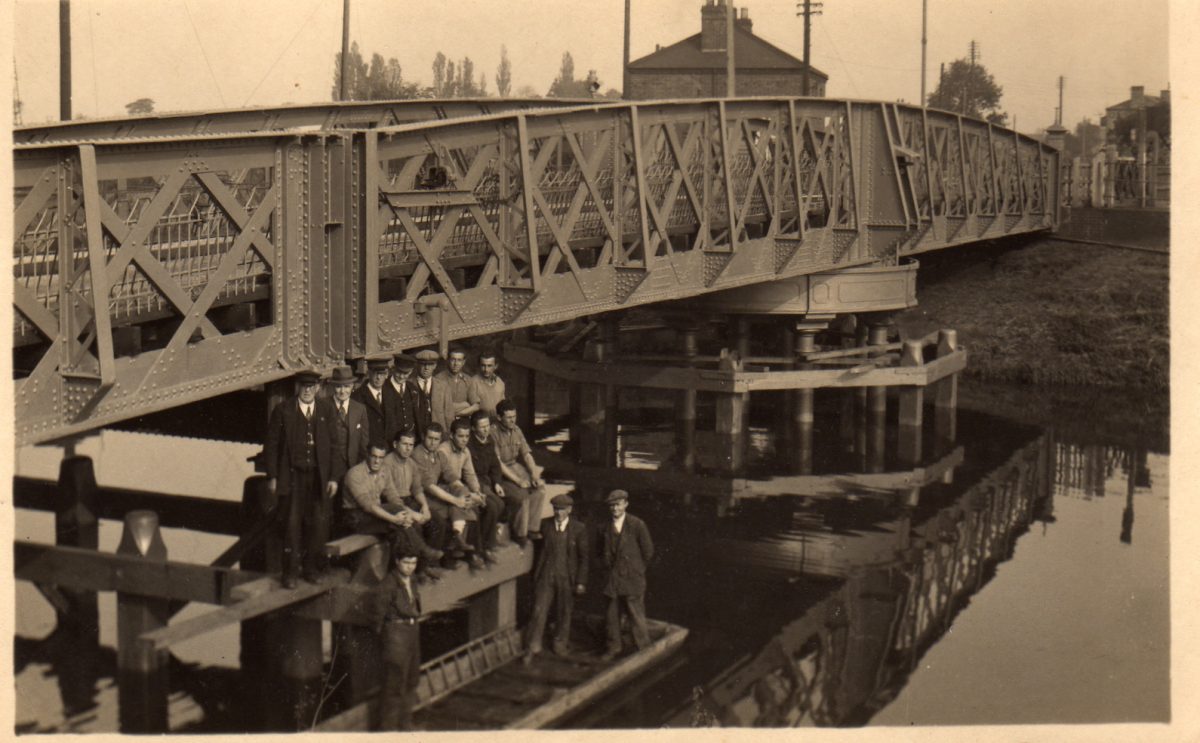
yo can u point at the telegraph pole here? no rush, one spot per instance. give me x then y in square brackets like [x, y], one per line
[343, 84]
[64, 60]
[625, 67]
[924, 25]
[808, 9]
[730, 67]
[1058, 119]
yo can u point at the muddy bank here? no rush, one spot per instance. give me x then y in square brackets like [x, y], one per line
[1048, 312]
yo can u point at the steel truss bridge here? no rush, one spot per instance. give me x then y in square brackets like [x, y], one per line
[162, 260]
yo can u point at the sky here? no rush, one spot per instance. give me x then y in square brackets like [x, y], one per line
[210, 54]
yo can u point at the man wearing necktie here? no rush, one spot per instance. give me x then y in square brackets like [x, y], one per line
[398, 625]
[435, 403]
[350, 429]
[371, 396]
[299, 470]
[400, 398]
[559, 576]
[625, 549]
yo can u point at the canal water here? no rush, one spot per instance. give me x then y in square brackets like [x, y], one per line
[1016, 573]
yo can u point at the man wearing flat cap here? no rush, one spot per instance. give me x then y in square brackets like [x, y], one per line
[559, 576]
[371, 396]
[400, 398]
[298, 459]
[434, 400]
[624, 549]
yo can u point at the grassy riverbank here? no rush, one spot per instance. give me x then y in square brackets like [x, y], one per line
[1048, 312]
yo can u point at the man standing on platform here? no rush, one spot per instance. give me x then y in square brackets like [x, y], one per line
[371, 396]
[297, 453]
[523, 485]
[400, 398]
[350, 429]
[400, 614]
[624, 550]
[488, 388]
[433, 399]
[559, 576]
[458, 382]
[491, 475]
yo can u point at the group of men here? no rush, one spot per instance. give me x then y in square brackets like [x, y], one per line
[414, 459]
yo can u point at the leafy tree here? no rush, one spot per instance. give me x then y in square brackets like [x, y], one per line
[466, 78]
[379, 81]
[612, 94]
[439, 75]
[1086, 134]
[139, 107]
[356, 75]
[527, 91]
[566, 86]
[969, 89]
[503, 73]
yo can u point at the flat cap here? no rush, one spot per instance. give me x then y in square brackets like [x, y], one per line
[562, 500]
[617, 495]
[378, 363]
[404, 362]
[308, 376]
[425, 355]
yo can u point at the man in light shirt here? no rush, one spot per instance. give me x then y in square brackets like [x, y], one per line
[450, 505]
[488, 388]
[523, 485]
[458, 382]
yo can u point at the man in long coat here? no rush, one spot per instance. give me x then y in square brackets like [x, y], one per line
[371, 396]
[299, 473]
[624, 550]
[401, 398]
[350, 431]
[559, 576]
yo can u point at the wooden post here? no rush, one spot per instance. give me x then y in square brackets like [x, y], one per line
[141, 669]
[359, 650]
[76, 525]
[877, 335]
[731, 418]
[743, 337]
[687, 402]
[598, 404]
[946, 395]
[912, 408]
[492, 609]
[803, 412]
[255, 635]
[521, 382]
[297, 662]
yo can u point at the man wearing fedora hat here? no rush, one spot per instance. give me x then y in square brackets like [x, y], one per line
[400, 398]
[350, 428]
[559, 576]
[624, 551]
[298, 458]
[371, 396]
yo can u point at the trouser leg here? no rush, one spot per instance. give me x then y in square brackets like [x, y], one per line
[613, 624]
[293, 514]
[516, 501]
[437, 531]
[489, 517]
[566, 600]
[637, 617]
[542, 596]
[316, 532]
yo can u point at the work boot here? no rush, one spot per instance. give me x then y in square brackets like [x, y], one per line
[432, 555]
[460, 543]
[474, 561]
[489, 556]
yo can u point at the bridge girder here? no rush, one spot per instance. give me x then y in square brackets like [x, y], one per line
[229, 260]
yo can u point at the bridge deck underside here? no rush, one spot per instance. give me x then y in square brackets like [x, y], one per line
[227, 260]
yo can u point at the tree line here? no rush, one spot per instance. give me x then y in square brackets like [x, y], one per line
[382, 79]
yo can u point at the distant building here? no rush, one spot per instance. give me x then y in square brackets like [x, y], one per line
[1138, 100]
[695, 67]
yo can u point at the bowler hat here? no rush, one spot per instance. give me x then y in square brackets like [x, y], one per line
[562, 501]
[617, 495]
[425, 355]
[308, 376]
[378, 363]
[404, 362]
[341, 375]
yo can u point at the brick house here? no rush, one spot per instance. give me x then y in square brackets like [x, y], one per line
[695, 66]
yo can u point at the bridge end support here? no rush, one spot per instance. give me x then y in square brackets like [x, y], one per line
[141, 668]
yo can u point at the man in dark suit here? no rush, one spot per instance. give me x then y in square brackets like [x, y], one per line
[371, 396]
[400, 398]
[624, 551]
[559, 576]
[350, 433]
[399, 608]
[299, 471]
[435, 402]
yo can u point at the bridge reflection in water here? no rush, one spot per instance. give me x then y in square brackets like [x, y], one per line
[816, 608]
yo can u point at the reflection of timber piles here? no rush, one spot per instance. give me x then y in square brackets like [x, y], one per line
[849, 655]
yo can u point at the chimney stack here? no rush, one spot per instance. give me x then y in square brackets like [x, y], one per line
[712, 26]
[743, 20]
[1137, 94]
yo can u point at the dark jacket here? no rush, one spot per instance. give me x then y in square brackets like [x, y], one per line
[399, 410]
[623, 557]
[375, 418]
[287, 439]
[487, 463]
[392, 602]
[577, 549]
[357, 435]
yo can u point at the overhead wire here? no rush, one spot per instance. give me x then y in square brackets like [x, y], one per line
[316, 6]
[204, 54]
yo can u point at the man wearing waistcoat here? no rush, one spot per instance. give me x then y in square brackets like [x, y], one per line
[350, 429]
[371, 396]
[299, 470]
[401, 398]
[434, 398]
[559, 576]
[624, 551]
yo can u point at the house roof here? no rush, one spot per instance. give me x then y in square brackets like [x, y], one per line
[749, 52]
